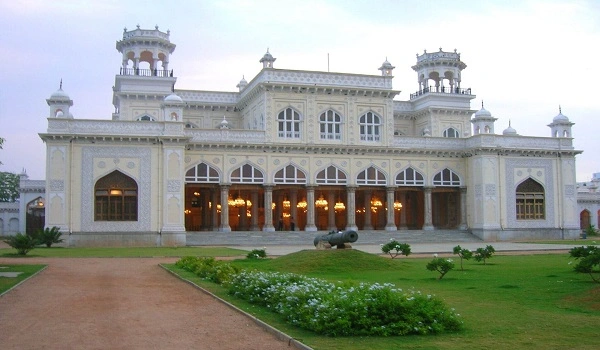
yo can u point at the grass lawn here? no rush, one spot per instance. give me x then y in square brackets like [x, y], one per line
[134, 252]
[26, 271]
[518, 302]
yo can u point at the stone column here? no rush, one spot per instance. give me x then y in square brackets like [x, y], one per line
[294, 207]
[390, 224]
[331, 226]
[351, 207]
[368, 214]
[428, 225]
[310, 209]
[268, 211]
[213, 209]
[225, 209]
[402, 198]
[254, 211]
[463, 209]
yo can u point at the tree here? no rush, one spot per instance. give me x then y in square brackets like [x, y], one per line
[9, 187]
[441, 265]
[589, 261]
[482, 254]
[395, 248]
[463, 254]
[49, 236]
[1, 143]
[22, 243]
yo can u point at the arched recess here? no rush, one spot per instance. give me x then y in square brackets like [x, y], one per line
[445, 199]
[330, 125]
[202, 197]
[410, 192]
[116, 198]
[530, 200]
[584, 219]
[35, 218]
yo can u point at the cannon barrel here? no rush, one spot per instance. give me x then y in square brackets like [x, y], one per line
[337, 239]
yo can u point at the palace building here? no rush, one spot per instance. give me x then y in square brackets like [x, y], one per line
[321, 150]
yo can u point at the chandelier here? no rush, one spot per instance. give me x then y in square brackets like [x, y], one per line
[286, 204]
[397, 205]
[339, 206]
[248, 204]
[376, 202]
[321, 202]
[302, 204]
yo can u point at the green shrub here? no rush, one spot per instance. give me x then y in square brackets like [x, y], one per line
[482, 254]
[395, 248]
[463, 253]
[22, 243]
[257, 254]
[591, 231]
[345, 309]
[208, 268]
[49, 236]
[589, 259]
[441, 265]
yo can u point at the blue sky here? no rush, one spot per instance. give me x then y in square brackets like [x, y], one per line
[524, 58]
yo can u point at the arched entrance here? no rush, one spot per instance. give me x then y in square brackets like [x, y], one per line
[584, 219]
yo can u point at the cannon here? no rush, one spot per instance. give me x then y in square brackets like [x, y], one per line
[341, 239]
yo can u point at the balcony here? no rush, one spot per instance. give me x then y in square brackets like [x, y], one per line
[161, 73]
[441, 90]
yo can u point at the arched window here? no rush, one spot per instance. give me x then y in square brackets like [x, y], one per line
[530, 200]
[446, 177]
[290, 175]
[288, 122]
[410, 177]
[331, 175]
[202, 173]
[451, 132]
[370, 124]
[330, 124]
[247, 174]
[371, 176]
[116, 198]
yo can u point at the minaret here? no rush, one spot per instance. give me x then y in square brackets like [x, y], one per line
[242, 84]
[146, 45]
[386, 68]
[483, 122]
[439, 67]
[267, 60]
[561, 126]
[144, 72]
[59, 103]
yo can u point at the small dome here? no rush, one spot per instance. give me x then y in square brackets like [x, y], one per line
[483, 113]
[243, 81]
[224, 124]
[509, 131]
[267, 57]
[387, 65]
[173, 98]
[560, 118]
[60, 95]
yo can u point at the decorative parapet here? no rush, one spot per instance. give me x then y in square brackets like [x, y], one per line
[403, 106]
[429, 143]
[210, 97]
[320, 79]
[440, 55]
[225, 136]
[145, 33]
[519, 142]
[113, 128]
[9, 207]
[32, 186]
[586, 197]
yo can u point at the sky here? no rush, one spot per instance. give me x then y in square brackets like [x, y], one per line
[524, 58]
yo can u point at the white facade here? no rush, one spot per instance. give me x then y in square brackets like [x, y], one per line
[291, 143]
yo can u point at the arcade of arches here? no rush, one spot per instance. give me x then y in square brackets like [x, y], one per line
[314, 208]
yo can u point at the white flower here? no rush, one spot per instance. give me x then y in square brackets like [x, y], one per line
[435, 255]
